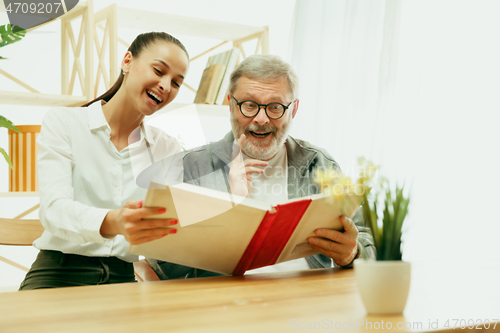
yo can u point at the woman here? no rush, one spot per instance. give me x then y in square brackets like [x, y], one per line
[88, 160]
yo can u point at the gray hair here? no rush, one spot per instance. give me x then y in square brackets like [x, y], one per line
[265, 67]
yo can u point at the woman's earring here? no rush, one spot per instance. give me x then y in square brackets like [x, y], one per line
[123, 73]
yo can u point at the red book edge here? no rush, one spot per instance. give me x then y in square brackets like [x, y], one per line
[272, 235]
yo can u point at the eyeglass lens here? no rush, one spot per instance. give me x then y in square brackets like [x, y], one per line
[274, 110]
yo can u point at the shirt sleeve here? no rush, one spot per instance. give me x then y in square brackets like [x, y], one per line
[366, 244]
[168, 154]
[176, 170]
[60, 214]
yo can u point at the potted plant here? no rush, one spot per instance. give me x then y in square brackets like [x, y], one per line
[384, 283]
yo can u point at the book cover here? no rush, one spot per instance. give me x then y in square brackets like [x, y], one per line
[209, 84]
[229, 234]
[230, 66]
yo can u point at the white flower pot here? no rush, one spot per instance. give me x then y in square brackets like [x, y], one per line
[383, 285]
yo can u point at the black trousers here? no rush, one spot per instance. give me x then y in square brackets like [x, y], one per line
[54, 269]
[170, 271]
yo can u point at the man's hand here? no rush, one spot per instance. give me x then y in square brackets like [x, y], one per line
[340, 246]
[240, 174]
[128, 221]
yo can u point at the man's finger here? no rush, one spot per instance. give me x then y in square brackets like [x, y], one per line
[236, 154]
[333, 235]
[338, 257]
[251, 162]
[241, 141]
[324, 251]
[326, 245]
[251, 170]
[349, 225]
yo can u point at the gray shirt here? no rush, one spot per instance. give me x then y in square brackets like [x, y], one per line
[209, 167]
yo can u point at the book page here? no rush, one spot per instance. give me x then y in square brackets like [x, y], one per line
[321, 213]
[213, 232]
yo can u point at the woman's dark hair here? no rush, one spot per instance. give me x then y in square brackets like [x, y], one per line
[138, 45]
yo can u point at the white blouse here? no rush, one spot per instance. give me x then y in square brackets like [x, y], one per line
[82, 176]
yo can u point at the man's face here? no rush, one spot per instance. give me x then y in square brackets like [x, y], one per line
[264, 136]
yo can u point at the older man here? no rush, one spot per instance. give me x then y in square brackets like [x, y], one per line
[263, 101]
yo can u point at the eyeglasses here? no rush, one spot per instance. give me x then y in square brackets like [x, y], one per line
[273, 110]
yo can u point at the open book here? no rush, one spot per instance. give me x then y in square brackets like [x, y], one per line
[229, 234]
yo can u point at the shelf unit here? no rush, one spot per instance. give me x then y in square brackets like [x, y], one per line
[75, 64]
[109, 20]
[39, 99]
[205, 109]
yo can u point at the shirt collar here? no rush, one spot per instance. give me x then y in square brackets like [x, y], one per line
[150, 136]
[96, 116]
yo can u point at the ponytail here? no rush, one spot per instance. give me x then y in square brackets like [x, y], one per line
[138, 45]
[110, 93]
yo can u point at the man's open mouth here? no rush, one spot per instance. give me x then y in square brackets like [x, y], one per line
[157, 99]
[260, 135]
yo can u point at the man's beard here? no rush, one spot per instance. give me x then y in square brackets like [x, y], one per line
[256, 149]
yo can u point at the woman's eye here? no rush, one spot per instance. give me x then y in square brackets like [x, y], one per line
[176, 84]
[158, 71]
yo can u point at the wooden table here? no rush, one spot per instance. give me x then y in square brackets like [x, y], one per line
[323, 299]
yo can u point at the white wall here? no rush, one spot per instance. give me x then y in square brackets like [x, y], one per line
[443, 127]
[36, 60]
[440, 131]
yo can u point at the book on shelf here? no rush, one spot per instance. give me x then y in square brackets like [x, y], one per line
[229, 234]
[209, 84]
[230, 66]
[219, 82]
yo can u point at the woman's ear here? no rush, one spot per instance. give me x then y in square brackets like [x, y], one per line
[126, 62]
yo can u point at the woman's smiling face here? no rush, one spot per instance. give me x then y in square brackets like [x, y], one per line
[154, 77]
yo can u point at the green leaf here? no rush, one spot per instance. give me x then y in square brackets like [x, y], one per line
[370, 217]
[6, 157]
[2, 57]
[388, 222]
[400, 208]
[10, 35]
[4, 122]
[390, 207]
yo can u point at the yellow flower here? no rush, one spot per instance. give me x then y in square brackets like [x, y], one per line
[335, 191]
[324, 178]
[368, 171]
[336, 185]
